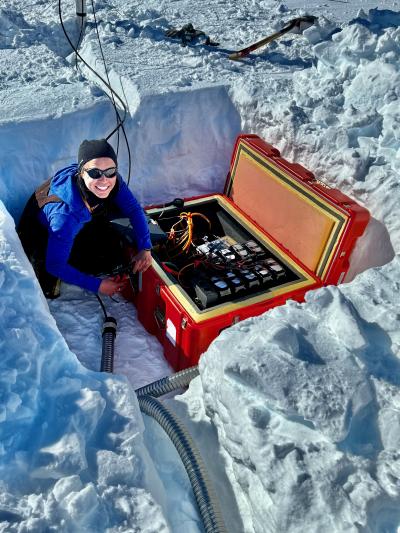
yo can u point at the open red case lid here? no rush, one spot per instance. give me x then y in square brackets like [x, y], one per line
[317, 224]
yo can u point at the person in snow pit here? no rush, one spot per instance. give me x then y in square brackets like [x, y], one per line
[66, 227]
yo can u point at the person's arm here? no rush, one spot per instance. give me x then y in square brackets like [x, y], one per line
[142, 260]
[131, 208]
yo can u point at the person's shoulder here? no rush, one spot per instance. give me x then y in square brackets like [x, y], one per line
[121, 182]
[63, 185]
[64, 176]
[123, 189]
[120, 190]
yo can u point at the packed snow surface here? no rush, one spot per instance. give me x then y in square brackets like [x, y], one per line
[296, 412]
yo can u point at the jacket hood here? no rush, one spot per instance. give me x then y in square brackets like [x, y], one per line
[64, 186]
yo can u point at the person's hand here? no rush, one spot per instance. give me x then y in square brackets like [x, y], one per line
[110, 286]
[142, 261]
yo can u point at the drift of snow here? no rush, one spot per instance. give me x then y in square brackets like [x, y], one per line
[312, 444]
[296, 412]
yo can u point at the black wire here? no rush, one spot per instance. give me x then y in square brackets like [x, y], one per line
[102, 306]
[87, 64]
[120, 125]
[106, 71]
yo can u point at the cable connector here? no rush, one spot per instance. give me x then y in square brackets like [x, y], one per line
[109, 334]
[81, 10]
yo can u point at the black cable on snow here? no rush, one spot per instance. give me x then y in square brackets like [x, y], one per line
[204, 492]
[178, 380]
[121, 122]
[102, 306]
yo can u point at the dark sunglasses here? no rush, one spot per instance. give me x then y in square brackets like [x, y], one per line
[96, 173]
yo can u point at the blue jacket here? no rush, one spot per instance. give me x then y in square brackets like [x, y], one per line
[65, 219]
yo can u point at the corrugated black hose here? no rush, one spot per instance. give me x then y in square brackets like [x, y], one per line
[107, 352]
[179, 380]
[203, 491]
[192, 461]
[109, 334]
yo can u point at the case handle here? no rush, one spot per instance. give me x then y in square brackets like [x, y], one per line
[159, 316]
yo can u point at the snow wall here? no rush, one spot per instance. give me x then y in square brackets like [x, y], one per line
[68, 435]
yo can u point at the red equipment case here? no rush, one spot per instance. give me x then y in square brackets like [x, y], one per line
[310, 227]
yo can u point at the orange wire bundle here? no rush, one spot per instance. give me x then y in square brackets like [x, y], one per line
[185, 240]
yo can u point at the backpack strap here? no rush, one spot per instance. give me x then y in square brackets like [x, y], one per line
[42, 194]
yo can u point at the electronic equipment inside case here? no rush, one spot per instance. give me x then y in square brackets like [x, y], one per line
[213, 257]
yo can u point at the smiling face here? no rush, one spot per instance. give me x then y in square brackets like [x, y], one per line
[102, 186]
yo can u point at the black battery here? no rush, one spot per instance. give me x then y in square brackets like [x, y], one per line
[220, 286]
[249, 278]
[206, 295]
[254, 249]
[264, 274]
[227, 255]
[276, 269]
[236, 284]
[240, 251]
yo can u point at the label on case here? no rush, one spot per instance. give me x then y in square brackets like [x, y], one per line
[171, 332]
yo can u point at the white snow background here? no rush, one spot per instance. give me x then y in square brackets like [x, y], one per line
[296, 412]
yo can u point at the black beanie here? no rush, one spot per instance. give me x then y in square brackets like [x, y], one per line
[94, 149]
